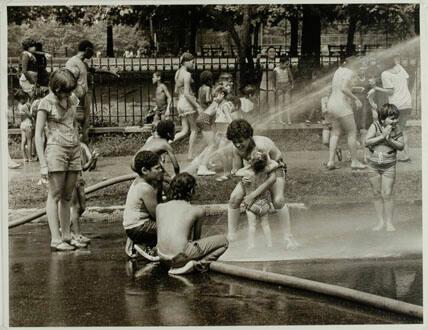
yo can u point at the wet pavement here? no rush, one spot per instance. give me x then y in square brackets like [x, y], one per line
[99, 286]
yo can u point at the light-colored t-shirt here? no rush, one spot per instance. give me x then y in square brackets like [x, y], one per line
[80, 71]
[136, 213]
[246, 105]
[62, 128]
[398, 81]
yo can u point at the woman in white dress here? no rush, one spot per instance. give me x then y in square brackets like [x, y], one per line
[339, 112]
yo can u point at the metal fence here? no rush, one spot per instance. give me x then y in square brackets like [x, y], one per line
[126, 100]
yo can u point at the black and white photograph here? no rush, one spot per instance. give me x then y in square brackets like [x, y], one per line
[204, 164]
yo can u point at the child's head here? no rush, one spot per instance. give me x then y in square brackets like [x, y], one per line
[258, 160]
[157, 76]
[146, 164]
[39, 46]
[219, 93]
[166, 129]
[249, 91]
[240, 133]
[283, 61]
[372, 80]
[21, 96]
[87, 48]
[187, 60]
[206, 78]
[62, 82]
[388, 114]
[271, 52]
[29, 44]
[182, 187]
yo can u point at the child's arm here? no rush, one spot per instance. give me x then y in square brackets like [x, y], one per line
[396, 141]
[39, 138]
[348, 92]
[168, 98]
[25, 59]
[290, 76]
[251, 197]
[171, 155]
[26, 110]
[236, 162]
[149, 198]
[88, 154]
[371, 138]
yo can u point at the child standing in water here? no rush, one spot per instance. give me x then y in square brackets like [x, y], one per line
[205, 91]
[260, 169]
[60, 162]
[283, 84]
[384, 138]
[26, 125]
[163, 99]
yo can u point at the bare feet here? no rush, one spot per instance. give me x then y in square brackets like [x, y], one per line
[378, 227]
[390, 227]
[290, 243]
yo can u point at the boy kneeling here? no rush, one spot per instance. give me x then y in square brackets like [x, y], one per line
[176, 221]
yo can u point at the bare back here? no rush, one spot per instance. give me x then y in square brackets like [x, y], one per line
[174, 221]
[156, 145]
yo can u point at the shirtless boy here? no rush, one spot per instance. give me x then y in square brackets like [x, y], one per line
[240, 133]
[177, 220]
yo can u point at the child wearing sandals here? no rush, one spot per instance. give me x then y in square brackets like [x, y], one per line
[383, 139]
[139, 216]
[60, 162]
[180, 246]
[260, 169]
[26, 125]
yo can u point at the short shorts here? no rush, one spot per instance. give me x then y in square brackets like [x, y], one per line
[60, 158]
[387, 170]
[184, 107]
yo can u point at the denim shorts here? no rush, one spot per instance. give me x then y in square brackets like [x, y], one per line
[387, 170]
[61, 159]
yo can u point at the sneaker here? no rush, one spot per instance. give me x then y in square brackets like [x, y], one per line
[62, 246]
[13, 165]
[204, 171]
[147, 252]
[186, 269]
[77, 243]
[129, 248]
[81, 238]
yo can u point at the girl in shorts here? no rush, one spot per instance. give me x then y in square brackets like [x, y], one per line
[384, 138]
[187, 105]
[60, 162]
[26, 125]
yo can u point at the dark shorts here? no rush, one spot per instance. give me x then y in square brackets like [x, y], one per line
[144, 234]
[204, 121]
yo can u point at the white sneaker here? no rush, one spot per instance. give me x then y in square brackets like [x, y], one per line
[204, 171]
[186, 269]
[129, 248]
[147, 252]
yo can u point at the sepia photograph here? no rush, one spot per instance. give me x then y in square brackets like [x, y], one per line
[190, 164]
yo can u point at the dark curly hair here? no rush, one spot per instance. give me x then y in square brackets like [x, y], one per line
[248, 90]
[28, 42]
[239, 128]
[387, 110]
[84, 44]
[182, 187]
[166, 129]
[144, 159]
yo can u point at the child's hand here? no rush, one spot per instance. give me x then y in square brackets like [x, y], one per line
[387, 131]
[44, 174]
[358, 104]
[371, 93]
[248, 200]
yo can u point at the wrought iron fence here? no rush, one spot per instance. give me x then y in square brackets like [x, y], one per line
[126, 100]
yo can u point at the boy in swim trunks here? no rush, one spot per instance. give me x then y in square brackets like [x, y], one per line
[176, 221]
[163, 99]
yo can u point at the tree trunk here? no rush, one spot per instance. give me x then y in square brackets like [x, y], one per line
[256, 37]
[294, 36]
[350, 37]
[193, 29]
[311, 40]
[416, 19]
[110, 49]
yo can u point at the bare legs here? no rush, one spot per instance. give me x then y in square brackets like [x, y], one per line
[383, 201]
[188, 123]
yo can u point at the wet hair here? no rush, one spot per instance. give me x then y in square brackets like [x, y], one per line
[258, 160]
[27, 43]
[284, 59]
[166, 129]
[239, 128]
[158, 74]
[206, 78]
[186, 57]
[144, 159]
[386, 111]
[21, 96]
[84, 44]
[62, 80]
[225, 76]
[39, 46]
[248, 90]
[182, 187]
